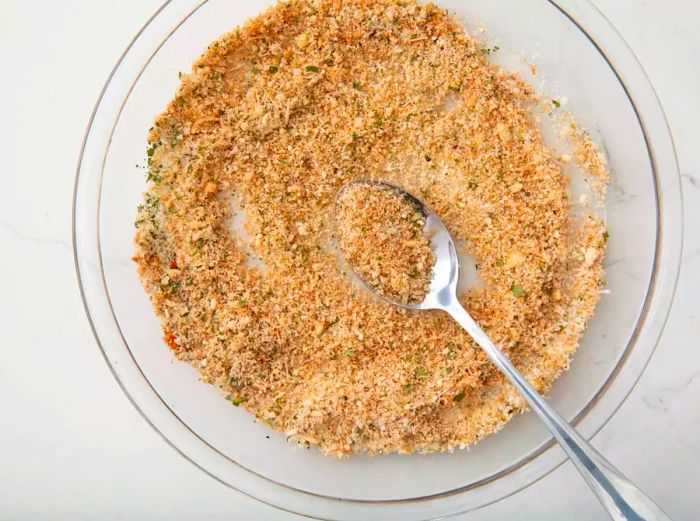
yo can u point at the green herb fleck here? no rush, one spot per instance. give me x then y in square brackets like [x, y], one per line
[556, 103]
[173, 286]
[517, 290]
[451, 352]
[356, 85]
[152, 202]
[180, 100]
[273, 69]
[350, 353]
[154, 177]
[312, 68]
[472, 185]
[581, 298]
[421, 374]
[152, 148]
[237, 400]
[456, 87]
[606, 236]
[459, 396]
[425, 192]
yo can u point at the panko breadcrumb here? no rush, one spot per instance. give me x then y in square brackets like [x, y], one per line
[381, 235]
[277, 116]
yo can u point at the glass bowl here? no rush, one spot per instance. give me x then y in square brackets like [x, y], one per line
[579, 57]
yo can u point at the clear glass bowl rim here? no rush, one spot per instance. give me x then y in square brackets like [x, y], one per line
[614, 50]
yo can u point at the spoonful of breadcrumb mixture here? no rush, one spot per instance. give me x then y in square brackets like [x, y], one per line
[382, 236]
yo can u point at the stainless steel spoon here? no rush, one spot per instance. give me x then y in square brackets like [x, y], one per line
[622, 499]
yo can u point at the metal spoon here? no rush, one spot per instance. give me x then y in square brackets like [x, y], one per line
[622, 499]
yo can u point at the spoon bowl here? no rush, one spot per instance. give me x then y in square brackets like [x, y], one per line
[443, 285]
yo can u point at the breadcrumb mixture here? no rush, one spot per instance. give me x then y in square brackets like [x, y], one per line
[277, 116]
[382, 237]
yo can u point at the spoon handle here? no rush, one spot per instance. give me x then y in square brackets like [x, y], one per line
[622, 499]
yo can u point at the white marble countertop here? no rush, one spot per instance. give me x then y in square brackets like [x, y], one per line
[74, 448]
